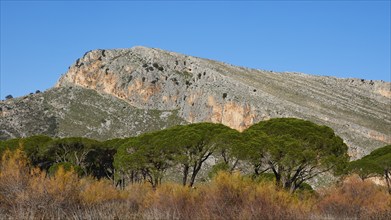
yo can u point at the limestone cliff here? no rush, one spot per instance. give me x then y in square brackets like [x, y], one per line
[206, 90]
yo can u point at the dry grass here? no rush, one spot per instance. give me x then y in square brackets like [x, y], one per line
[28, 193]
[356, 199]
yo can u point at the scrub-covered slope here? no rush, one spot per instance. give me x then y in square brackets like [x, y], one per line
[75, 111]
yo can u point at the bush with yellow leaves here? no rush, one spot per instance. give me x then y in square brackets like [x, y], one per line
[27, 191]
[97, 191]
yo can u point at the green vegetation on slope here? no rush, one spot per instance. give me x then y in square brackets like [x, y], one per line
[75, 111]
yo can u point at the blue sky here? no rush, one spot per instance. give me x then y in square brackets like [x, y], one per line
[40, 39]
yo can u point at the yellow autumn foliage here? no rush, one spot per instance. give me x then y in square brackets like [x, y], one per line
[98, 191]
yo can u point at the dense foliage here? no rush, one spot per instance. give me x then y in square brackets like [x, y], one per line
[293, 150]
[150, 155]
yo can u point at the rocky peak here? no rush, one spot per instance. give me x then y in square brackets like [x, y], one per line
[155, 79]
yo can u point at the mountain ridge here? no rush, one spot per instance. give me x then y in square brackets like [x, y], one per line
[200, 89]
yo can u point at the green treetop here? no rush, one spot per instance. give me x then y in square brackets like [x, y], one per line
[294, 150]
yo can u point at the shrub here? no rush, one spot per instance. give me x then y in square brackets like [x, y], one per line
[27, 192]
[67, 166]
[356, 199]
[222, 166]
[232, 196]
[98, 191]
[171, 201]
[14, 178]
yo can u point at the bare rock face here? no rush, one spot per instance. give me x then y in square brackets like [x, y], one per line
[200, 90]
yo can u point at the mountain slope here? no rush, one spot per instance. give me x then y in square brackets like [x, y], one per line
[75, 111]
[205, 90]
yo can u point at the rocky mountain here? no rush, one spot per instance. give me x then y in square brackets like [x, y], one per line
[122, 92]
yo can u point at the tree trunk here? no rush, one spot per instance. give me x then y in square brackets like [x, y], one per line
[234, 165]
[278, 179]
[123, 182]
[196, 169]
[185, 174]
[256, 170]
[153, 180]
[293, 188]
[388, 181]
[286, 183]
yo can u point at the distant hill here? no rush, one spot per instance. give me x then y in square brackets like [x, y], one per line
[123, 92]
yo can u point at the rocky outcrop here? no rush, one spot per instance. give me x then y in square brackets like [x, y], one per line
[205, 90]
[155, 79]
